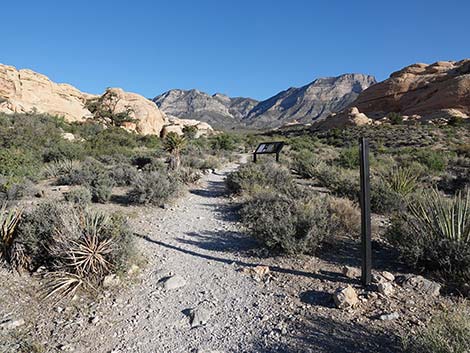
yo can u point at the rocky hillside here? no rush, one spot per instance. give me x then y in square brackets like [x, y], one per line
[313, 101]
[305, 104]
[426, 91]
[219, 110]
[23, 91]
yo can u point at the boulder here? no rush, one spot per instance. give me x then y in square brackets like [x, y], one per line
[149, 119]
[174, 124]
[349, 117]
[172, 282]
[345, 297]
[421, 284]
[420, 89]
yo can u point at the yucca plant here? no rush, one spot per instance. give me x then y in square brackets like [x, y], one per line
[9, 219]
[434, 235]
[58, 168]
[443, 218]
[401, 180]
[62, 284]
[174, 144]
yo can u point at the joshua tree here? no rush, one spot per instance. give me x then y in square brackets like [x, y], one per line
[174, 144]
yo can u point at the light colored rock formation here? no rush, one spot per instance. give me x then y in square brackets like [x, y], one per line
[149, 119]
[23, 91]
[348, 117]
[174, 124]
[429, 91]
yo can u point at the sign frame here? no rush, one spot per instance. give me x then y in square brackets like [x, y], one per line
[273, 147]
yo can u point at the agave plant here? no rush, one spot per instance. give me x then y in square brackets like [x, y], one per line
[9, 219]
[59, 168]
[402, 180]
[443, 218]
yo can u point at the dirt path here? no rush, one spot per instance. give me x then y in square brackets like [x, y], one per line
[196, 239]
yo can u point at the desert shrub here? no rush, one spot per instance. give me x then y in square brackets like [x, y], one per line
[123, 174]
[252, 176]
[224, 142]
[187, 175]
[447, 332]
[455, 121]
[80, 196]
[349, 158]
[63, 150]
[84, 173]
[464, 150]
[434, 235]
[59, 168]
[154, 188]
[285, 224]
[383, 199]
[102, 188]
[345, 217]
[15, 188]
[78, 246]
[342, 182]
[18, 163]
[190, 131]
[433, 160]
[395, 118]
[305, 164]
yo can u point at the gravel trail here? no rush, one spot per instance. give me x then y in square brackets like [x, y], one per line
[197, 241]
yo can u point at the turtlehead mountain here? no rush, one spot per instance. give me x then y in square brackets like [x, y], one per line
[219, 110]
[306, 104]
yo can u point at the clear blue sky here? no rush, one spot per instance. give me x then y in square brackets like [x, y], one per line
[242, 48]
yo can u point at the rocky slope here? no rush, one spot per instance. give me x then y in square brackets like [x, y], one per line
[219, 110]
[428, 91]
[313, 101]
[23, 91]
[305, 104]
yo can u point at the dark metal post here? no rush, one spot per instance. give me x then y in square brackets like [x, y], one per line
[366, 246]
[254, 157]
[277, 157]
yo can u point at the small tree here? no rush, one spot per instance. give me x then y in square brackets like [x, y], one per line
[395, 118]
[190, 131]
[174, 144]
[104, 109]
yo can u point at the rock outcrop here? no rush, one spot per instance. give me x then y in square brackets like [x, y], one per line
[174, 124]
[23, 91]
[429, 91]
[348, 117]
[149, 119]
[218, 110]
[309, 103]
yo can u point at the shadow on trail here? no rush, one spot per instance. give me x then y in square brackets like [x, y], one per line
[212, 190]
[322, 275]
[317, 333]
[225, 241]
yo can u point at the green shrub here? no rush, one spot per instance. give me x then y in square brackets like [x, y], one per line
[447, 332]
[383, 199]
[433, 160]
[84, 173]
[63, 150]
[15, 188]
[349, 158]
[305, 164]
[190, 131]
[224, 142]
[345, 218]
[251, 177]
[80, 196]
[123, 174]
[102, 188]
[395, 118]
[18, 163]
[285, 224]
[434, 235]
[154, 188]
[187, 175]
[342, 182]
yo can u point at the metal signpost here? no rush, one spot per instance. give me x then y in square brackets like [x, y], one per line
[268, 148]
[366, 246]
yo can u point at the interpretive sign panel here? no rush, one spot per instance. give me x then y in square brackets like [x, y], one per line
[268, 147]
